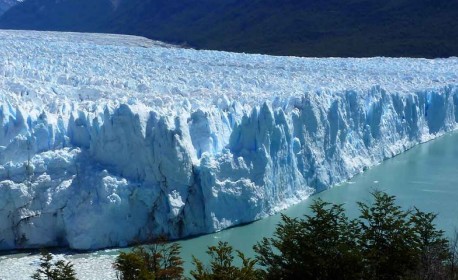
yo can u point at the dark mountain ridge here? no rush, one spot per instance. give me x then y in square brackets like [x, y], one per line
[358, 28]
[5, 5]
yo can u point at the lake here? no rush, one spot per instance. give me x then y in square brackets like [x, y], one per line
[425, 176]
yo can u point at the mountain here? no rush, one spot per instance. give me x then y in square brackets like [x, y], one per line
[6, 5]
[416, 28]
[58, 15]
[106, 140]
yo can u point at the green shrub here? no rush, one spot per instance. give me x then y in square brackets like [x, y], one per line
[60, 270]
[385, 242]
[222, 267]
[320, 246]
[159, 261]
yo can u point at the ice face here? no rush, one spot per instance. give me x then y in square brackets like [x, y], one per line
[106, 139]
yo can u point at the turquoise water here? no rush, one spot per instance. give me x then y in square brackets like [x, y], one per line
[425, 176]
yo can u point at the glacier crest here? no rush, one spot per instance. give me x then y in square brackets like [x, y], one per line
[154, 139]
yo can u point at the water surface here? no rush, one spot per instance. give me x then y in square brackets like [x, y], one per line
[425, 176]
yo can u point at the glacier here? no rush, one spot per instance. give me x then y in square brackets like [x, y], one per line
[107, 139]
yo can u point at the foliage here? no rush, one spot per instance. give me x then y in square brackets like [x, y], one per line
[388, 240]
[221, 265]
[452, 263]
[321, 246]
[353, 28]
[433, 248]
[159, 260]
[385, 242]
[60, 270]
[132, 266]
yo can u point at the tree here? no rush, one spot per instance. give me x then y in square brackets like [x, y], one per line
[130, 266]
[452, 263]
[45, 269]
[61, 270]
[321, 246]
[432, 246]
[64, 271]
[167, 261]
[221, 265]
[159, 260]
[388, 239]
[385, 242]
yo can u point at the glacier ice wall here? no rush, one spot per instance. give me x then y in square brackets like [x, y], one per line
[82, 169]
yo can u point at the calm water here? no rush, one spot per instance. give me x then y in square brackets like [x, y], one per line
[425, 176]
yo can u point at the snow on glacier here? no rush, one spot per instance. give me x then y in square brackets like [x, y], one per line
[109, 139]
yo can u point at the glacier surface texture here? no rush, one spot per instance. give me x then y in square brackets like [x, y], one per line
[106, 140]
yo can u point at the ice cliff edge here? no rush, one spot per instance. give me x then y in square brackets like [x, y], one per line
[89, 174]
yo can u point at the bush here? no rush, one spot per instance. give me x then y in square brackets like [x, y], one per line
[452, 262]
[221, 265]
[159, 261]
[132, 266]
[432, 247]
[321, 246]
[388, 241]
[385, 242]
[59, 270]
